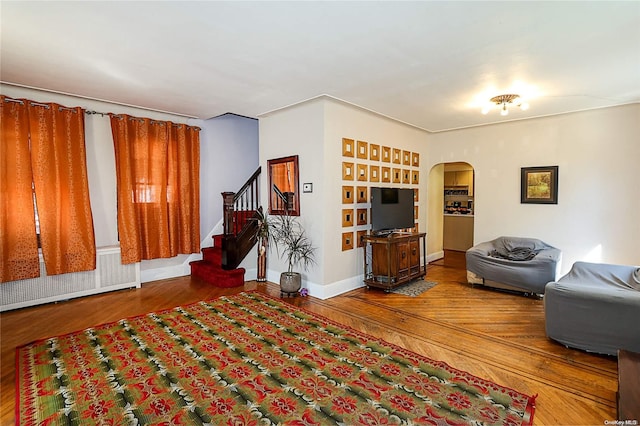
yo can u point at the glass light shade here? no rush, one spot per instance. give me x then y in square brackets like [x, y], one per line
[504, 110]
[524, 106]
[486, 110]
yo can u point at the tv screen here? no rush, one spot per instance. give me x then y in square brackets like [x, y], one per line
[391, 209]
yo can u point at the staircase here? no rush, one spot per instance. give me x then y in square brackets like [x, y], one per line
[209, 269]
[219, 265]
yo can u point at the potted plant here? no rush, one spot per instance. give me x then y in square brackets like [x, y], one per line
[292, 245]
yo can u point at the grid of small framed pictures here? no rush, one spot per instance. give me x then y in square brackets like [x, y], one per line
[365, 165]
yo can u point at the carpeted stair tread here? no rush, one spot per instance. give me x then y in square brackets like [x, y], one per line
[216, 276]
[212, 255]
[209, 269]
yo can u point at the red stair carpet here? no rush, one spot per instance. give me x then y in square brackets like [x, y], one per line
[209, 269]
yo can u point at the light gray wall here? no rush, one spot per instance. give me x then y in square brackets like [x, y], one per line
[597, 215]
[597, 151]
[344, 269]
[298, 131]
[228, 157]
[314, 130]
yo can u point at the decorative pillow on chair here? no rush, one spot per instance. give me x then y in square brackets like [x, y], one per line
[517, 253]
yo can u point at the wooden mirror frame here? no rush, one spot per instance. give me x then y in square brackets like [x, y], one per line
[277, 205]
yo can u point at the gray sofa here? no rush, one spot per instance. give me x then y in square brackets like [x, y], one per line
[595, 307]
[513, 263]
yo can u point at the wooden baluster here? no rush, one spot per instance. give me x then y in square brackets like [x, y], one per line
[256, 195]
[228, 206]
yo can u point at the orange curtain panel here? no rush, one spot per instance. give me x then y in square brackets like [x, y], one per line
[157, 169]
[43, 152]
[184, 188]
[18, 241]
[62, 189]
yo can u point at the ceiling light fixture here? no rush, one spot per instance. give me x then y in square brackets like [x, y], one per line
[503, 101]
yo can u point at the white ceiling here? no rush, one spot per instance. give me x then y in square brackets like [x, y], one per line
[430, 64]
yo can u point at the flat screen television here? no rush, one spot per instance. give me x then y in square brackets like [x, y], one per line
[391, 209]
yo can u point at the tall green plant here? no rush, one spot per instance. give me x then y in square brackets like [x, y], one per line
[292, 244]
[263, 225]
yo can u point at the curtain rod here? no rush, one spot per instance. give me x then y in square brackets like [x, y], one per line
[34, 103]
[75, 95]
[152, 121]
[92, 112]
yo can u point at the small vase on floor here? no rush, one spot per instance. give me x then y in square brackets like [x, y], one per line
[262, 260]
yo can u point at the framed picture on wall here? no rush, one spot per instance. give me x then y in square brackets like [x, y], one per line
[539, 185]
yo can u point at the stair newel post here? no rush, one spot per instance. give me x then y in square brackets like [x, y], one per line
[227, 198]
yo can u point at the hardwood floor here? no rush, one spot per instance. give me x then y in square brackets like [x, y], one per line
[495, 335]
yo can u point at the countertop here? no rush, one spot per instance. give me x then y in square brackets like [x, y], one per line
[458, 215]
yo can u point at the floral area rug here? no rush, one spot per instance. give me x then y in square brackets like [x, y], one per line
[414, 288]
[247, 359]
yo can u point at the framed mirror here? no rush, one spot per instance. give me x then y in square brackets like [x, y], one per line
[284, 191]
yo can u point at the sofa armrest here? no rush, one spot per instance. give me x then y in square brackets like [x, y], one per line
[592, 316]
[620, 276]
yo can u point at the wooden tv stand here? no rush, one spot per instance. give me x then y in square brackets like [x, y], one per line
[394, 259]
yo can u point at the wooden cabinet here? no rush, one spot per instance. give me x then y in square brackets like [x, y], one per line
[392, 260]
[449, 179]
[459, 178]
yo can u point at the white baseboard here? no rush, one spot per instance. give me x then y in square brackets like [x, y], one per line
[334, 289]
[325, 291]
[250, 274]
[163, 273]
[435, 256]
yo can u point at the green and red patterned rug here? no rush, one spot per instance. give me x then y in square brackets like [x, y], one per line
[247, 359]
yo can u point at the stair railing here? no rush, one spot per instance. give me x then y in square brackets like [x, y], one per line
[246, 199]
[238, 225]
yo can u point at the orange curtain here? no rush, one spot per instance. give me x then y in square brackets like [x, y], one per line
[43, 148]
[184, 188]
[157, 168]
[18, 242]
[62, 189]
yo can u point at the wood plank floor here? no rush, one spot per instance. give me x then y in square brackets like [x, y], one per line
[495, 335]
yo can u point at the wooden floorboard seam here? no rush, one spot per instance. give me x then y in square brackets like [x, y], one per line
[534, 378]
[585, 366]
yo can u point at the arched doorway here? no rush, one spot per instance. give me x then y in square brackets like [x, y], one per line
[451, 208]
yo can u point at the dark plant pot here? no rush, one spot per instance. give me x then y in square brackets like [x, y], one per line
[290, 283]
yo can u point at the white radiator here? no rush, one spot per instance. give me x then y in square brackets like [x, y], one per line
[110, 274]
